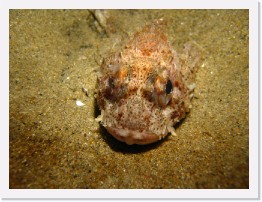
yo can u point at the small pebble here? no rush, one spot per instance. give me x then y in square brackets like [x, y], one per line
[79, 103]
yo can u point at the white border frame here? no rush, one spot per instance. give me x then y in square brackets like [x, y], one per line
[254, 176]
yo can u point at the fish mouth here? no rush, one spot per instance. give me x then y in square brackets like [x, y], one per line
[131, 137]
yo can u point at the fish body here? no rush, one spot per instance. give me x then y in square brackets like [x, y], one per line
[145, 88]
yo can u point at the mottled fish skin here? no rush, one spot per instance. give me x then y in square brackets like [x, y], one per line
[145, 88]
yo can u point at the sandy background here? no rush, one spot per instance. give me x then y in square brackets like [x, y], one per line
[56, 144]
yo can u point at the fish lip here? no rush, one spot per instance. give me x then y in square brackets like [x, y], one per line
[131, 137]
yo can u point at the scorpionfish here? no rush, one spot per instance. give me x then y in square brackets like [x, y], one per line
[145, 88]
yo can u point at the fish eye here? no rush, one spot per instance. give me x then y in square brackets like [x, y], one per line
[169, 87]
[111, 82]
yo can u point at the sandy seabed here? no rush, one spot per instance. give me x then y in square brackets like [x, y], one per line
[54, 143]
